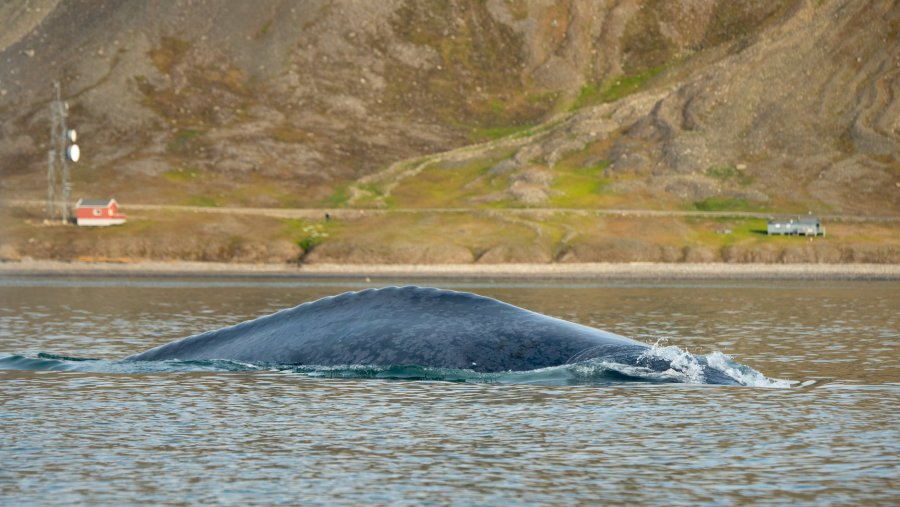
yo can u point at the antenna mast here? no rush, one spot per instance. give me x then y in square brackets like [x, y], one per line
[62, 150]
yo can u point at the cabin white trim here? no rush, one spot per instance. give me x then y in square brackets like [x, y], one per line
[100, 222]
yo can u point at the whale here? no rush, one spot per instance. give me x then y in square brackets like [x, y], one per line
[426, 327]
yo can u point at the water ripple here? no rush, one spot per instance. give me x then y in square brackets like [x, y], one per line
[257, 435]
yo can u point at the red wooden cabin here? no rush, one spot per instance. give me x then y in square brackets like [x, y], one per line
[98, 212]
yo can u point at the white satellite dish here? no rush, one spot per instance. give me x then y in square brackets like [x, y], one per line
[72, 135]
[73, 152]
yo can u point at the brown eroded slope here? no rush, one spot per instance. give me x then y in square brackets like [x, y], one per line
[283, 103]
[778, 107]
[801, 116]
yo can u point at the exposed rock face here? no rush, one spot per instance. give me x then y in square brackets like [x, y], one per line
[805, 111]
[811, 106]
[295, 99]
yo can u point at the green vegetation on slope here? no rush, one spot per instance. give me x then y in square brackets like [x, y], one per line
[727, 173]
[725, 204]
[579, 187]
[449, 185]
[616, 89]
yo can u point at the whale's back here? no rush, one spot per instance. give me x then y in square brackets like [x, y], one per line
[400, 325]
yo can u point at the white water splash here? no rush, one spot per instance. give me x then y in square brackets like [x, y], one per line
[743, 374]
[683, 366]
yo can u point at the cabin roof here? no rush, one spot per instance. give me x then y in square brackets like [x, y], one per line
[94, 203]
[805, 220]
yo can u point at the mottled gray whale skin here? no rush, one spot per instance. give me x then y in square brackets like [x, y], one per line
[406, 326]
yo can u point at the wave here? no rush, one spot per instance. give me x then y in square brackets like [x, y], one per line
[656, 365]
[52, 362]
[691, 369]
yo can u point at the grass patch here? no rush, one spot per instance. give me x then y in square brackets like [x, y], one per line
[186, 135]
[313, 235]
[748, 228]
[497, 106]
[726, 231]
[185, 141]
[339, 198]
[580, 178]
[308, 234]
[182, 174]
[580, 187]
[724, 204]
[371, 195]
[590, 94]
[203, 201]
[441, 186]
[627, 85]
[722, 173]
[728, 173]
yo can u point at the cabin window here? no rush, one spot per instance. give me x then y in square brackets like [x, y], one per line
[96, 212]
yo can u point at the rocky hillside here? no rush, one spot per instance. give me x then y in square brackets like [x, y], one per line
[781, 105]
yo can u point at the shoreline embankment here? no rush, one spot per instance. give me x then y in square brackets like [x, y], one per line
[563, 271]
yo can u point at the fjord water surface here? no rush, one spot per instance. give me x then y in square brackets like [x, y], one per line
[213, 434]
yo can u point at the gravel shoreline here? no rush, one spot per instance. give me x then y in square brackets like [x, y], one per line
[591, 271]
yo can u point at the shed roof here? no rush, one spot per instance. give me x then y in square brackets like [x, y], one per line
[94, 203]
[807, 220]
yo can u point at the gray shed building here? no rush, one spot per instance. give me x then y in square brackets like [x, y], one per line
[800, 226]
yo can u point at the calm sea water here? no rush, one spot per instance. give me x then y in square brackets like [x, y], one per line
[113, 436]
